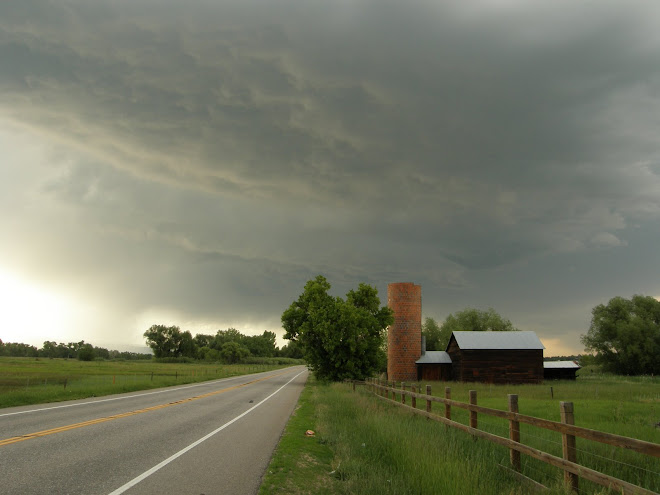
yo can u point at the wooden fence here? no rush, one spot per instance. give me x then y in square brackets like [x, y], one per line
[568, 462]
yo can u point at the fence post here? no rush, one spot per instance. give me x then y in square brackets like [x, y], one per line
[447, 406]
[393, 390]
[568, 443]
[473, 414]
[353, 385]
[403, 395]
[514, 432]
[428, 401]
[413, 400]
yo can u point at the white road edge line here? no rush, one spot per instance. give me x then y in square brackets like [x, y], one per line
[151, 471]
[132, 396]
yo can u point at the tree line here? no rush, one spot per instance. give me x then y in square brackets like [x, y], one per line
[82, 351]
[230, 345]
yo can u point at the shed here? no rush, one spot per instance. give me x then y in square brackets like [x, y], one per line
[434, 365]
[496, 357]
[560, 370]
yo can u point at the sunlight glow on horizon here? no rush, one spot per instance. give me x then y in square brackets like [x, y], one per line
[32, 314]
[556, 347]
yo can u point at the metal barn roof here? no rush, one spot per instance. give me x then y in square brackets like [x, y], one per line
[434, 357]
[571, 365]
[498, 340]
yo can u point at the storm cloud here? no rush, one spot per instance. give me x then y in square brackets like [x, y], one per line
[203, 160]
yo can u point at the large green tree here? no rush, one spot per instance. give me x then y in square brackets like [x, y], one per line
[625, 335]
[233, 352]
[469, 319]
[339, 338]
[169, 341]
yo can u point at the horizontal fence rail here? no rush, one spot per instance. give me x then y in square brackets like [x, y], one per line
[568, 462]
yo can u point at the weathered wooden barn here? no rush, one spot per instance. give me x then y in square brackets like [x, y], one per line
[560, 370]
[491, 357]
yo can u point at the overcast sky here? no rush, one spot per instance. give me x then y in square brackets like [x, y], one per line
[195, 163]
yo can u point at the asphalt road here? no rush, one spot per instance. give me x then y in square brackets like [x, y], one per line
[211, 438]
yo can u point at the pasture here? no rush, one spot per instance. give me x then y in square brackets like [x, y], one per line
[26, 381]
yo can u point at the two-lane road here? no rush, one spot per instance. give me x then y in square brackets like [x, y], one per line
[209, 438]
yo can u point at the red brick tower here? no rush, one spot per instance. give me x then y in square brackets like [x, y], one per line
[404, 337]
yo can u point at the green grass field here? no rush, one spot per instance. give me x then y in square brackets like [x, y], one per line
[26, 381]
[381, 449]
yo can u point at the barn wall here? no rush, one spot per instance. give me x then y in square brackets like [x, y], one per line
[434, 372]
[559, 373]
[455, 354]
[501, 366]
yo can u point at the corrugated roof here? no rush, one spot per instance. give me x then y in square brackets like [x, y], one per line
[498, 340]
[561, 364]
[434, 357]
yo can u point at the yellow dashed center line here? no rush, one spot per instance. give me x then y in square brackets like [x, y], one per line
[60, 429]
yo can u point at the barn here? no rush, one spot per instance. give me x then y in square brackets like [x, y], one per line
[560, 370]
[496, 357]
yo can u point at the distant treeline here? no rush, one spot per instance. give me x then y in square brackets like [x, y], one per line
[230, 346]
[73, 350]
[581, 359]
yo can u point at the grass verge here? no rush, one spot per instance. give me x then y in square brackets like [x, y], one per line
[369, 446]
[302, 464]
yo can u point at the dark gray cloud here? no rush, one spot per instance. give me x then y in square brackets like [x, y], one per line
[211, 157]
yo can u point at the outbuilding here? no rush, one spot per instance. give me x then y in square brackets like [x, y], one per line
[560, 370]
[433, 365]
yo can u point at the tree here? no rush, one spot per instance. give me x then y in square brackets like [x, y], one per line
[625, 335]
[260, 345]
[203, 340]
[339, 338]
[469, 319]
[224, 336]
[187, 345]
[433, 333]
[291, 350]
[49, 349]
[167, 341]
[85, 352]
[233, 352]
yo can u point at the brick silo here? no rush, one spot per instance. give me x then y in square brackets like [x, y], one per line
[404, 337]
